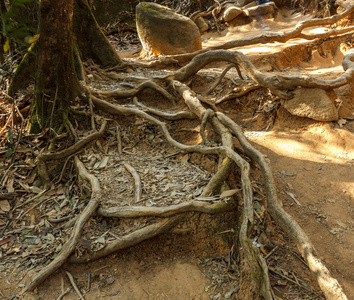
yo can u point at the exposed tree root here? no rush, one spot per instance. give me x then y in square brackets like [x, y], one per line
[44, 157]
[69, 246]
[169, 211]
[328, 285]
[278, 84]
[222, 75]
[168, 116]
[137, 181]
[255, 261]
[129, 240]
[272, 37]
[225, 128]
[122, 94]
[238, 94]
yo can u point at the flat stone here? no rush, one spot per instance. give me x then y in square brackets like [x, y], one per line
[163, 31]
[313, 103]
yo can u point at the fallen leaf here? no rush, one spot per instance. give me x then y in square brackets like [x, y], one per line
[7, 240]
[5, 205]
[228, 193]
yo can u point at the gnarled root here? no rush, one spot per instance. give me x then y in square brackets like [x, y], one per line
[69, 246]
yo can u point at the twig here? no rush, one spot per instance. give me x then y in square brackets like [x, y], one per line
[119, 139]
[271, 252]
[32, 199]
[71, 278]
[289, 279]
[137, 181]
[61, 296]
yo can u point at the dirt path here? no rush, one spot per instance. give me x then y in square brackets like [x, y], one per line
[315, 180]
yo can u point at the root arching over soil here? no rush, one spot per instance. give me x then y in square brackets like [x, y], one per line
[185, 103]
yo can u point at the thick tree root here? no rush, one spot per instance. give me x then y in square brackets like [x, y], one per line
[122, 94]
[169, 211]
[70, 245]
[272, 37]
[167, 116]
[278, 84]
[44, 157]
[329, 286]
[255, 261]
[129, 240]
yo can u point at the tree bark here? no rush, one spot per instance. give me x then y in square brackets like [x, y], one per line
[56, 83]
[91, 41]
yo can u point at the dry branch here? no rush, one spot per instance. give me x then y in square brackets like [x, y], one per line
[328, 285]
[69, 246]
[129, 240]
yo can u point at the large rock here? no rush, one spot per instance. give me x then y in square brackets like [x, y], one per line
[162, 31]
[314, 103]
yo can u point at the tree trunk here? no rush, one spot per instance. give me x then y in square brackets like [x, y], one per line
[56, 83]
[91, 41]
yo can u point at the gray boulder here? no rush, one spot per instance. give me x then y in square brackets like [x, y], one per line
[163, 31]
[313, 103]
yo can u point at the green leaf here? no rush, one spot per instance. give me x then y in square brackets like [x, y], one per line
[10, 135]
[9, 152]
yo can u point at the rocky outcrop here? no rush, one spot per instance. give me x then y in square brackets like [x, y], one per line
[163, 31]
[315, 104]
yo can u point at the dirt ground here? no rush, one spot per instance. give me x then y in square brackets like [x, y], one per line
[312, 161]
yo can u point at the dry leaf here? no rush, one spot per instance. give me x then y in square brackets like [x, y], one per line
[5, 205]
[228, 193]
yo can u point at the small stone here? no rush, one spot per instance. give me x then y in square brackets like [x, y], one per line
[267, 9]
[202, 25]
[231, 13]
